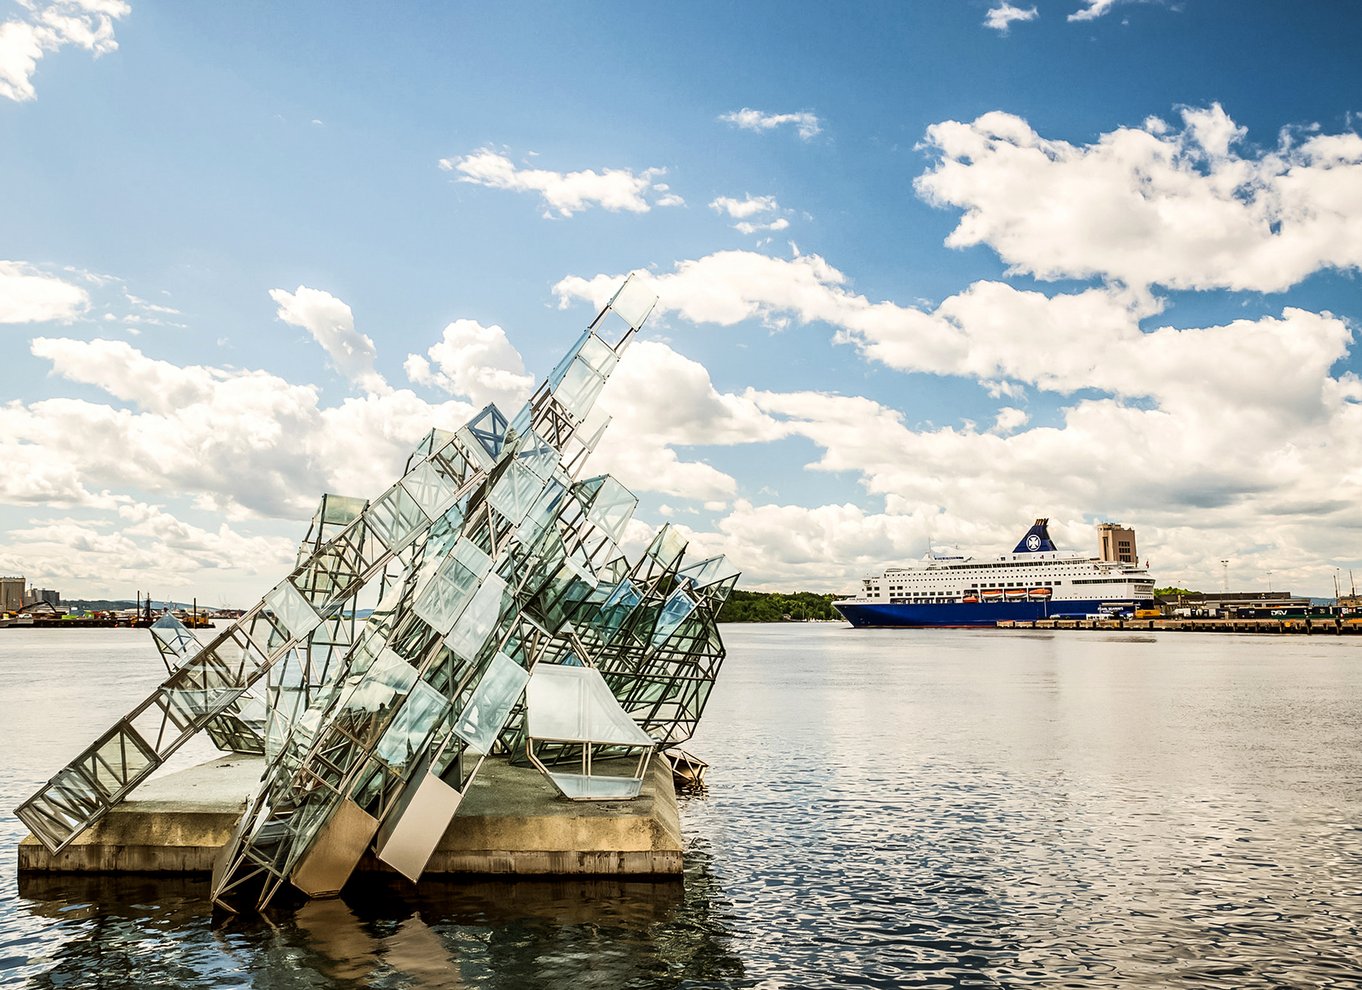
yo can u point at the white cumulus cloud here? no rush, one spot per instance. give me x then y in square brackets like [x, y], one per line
[1154, 205]
[1001, 17]
[754, 214]
[566, 193]
[332, 325]
[474, 362]
[48, 27]
[806, 124]
[30, 296]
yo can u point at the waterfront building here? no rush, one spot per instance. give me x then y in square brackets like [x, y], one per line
[1117, 544]
[37, 595]
[12, 594]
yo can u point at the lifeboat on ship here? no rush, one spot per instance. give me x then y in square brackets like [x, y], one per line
[1039, 593]
[991, 594]
[1013, 594]
[970, 599]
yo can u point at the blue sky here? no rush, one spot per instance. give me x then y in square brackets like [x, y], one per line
[918, 274]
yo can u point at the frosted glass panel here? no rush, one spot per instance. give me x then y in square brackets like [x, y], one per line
[417, 718]
[479, 619]
[574, 704]
[292, 610]
[430, 488]
[634, 301]
[485, 716]
[445, 595]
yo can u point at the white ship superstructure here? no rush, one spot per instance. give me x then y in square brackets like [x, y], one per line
[1036, 580]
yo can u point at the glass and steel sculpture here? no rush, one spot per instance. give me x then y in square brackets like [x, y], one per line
[494, 561]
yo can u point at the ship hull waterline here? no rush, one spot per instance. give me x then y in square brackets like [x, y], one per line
[948, 615]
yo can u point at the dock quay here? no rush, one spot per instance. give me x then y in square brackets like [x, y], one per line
[1301, 626]
[511, 824]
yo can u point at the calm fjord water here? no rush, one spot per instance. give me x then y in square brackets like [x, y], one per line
[886, 808]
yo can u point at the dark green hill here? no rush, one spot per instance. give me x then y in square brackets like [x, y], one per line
[777, 606]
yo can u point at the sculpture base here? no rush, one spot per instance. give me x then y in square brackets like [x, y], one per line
[512, 823]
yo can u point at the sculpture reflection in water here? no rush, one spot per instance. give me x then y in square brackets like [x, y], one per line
[492, 557]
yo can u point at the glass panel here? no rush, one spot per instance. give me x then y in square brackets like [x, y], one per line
[574, 704]
[388, 678]
[406, 735]
[598, 355]
[395, 517]
[470, 555]
[292, 610]
[479, 619]
[667, 547]
[446, 594]
[515, 491]
[433, 492]
[674, 612]
[634, 301]
[172, 636]
[612, 508]
[341, 510]
[538, 455]
[579, 388]
[482, 720]
[708, 572]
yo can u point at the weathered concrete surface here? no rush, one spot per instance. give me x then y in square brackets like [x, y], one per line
[512, 823]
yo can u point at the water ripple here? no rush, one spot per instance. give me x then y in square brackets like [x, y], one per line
[933, 810]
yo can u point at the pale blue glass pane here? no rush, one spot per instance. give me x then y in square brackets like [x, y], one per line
[470, 555]
[445, 595]
[674, 612]
[612, 508]
[388, 678]
[484, 718]
[430, 488]
[598, 355]
[479, 619]
[515, 491]
[579, 388]
[634, 301]
[407, 733]
[395, 517]
[292, 610]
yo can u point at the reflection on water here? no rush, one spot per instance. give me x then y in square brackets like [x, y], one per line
[155, 932]
[884, 809]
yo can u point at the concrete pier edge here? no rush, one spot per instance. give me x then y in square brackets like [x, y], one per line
[511, 824]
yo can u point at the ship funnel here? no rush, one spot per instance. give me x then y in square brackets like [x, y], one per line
[1037, 539]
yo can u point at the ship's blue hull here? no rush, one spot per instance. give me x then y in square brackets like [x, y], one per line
[924, 616]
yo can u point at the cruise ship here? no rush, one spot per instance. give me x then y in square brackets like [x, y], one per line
[1034, 581]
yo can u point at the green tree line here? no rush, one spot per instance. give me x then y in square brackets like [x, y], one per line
[764, 606]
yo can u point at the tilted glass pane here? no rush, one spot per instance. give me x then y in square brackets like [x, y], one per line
[395, 517]
[416, 719]
[667, 548]
[431, 489]
[173, 637]
[598, 355]
[292, 610]
[538, 455]
[445, 595]
[634, 301]
[482, 720]
[579, 388]
[674, 612]
[388, 678]
[612, 508]
[479, 619]
[515, 491]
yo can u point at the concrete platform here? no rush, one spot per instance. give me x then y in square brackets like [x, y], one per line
[512, 824]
